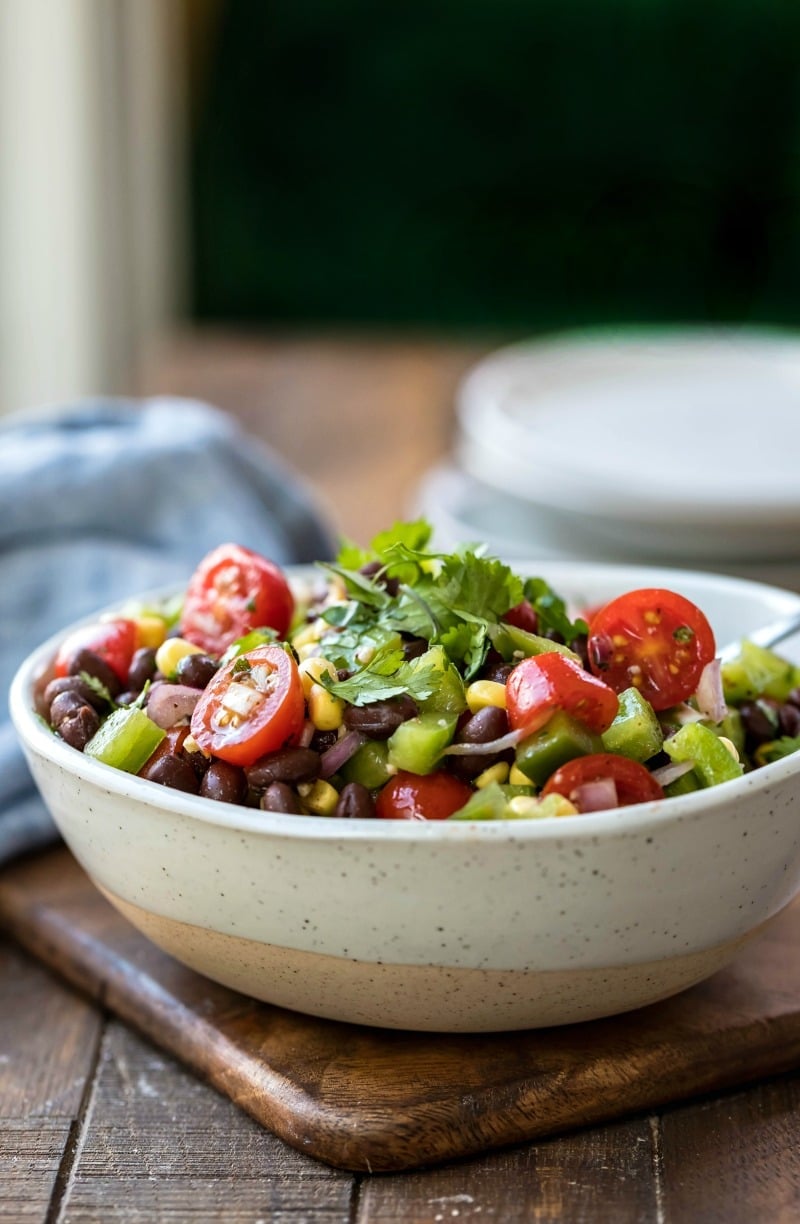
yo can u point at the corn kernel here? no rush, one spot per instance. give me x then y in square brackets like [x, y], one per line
[170, 653]
[562, 806]
[312, 668]
[529, 807]
[517, 778]
[322, 798]
[325, 711]
[483, 693]
[309, 635]
[495, 773]
[523, 806]
[151, 631]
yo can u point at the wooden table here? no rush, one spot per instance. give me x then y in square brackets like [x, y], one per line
[99, 1125]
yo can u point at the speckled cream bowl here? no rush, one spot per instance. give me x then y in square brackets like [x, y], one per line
[444, 926]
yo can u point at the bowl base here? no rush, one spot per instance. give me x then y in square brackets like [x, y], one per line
[423, 998]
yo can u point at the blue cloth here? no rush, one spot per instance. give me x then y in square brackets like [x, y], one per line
[108, 499]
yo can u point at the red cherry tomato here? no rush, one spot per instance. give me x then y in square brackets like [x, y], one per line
[634, 783]
[113, 640]
[410, 796]
[232, 591]
[523, 616]
[652, 640]
[544, 683]
[252, 706]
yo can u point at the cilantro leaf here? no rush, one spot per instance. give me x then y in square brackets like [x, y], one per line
[482, 586]
[387, 675]
[551, 611]
[361, 587]
[413, 536]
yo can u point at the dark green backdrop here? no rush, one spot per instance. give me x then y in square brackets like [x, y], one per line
[516, 164]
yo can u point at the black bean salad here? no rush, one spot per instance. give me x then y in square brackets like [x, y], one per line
[402, 683]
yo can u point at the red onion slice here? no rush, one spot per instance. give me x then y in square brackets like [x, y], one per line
[334, 757]
[669, 773]
[509, 740]
[596, 796]
[307, 734]
[710, 696]
[169, 704]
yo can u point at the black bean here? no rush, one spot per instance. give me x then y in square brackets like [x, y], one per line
[196, 670]
[794, 697]
[172, 771]
[495, 668]
[142, 668]
[355, 802]
[74, 684]
[760, 721]
[322, 740]
[64, 705]
[278, 797]
[484, 726]
[581, 647]
[414, 647]
[78, 724]
[380, 719]
[286, 765]
[93, 665]
[224, 782]
[789, 719]
[127, 698]
[372, 569]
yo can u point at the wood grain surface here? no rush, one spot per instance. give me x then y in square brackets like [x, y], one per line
[368, 1099]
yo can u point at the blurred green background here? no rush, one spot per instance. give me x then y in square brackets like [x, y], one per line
[510, 164]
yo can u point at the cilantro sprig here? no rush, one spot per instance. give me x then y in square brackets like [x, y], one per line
[452, 600]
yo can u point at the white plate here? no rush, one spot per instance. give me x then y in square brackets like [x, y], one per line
[684, 442]
[463, 510]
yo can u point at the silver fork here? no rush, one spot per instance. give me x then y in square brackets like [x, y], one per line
[768, 636]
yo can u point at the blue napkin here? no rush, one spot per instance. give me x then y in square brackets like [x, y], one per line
[107, 499]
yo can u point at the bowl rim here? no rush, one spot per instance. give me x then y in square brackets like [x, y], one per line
[38, 740]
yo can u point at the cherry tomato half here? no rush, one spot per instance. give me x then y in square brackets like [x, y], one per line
[653, 640]
[113, 640]
[410, 796]
[544, 683]
[252, 706]
[634, 783]
[232, 591]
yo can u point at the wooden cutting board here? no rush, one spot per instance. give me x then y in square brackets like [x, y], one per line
[373, 1099]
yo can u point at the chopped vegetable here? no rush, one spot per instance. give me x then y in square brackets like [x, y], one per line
[421, 685]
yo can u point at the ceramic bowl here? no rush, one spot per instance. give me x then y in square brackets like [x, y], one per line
[444, 926]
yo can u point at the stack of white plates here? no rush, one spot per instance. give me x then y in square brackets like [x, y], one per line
[671, 447]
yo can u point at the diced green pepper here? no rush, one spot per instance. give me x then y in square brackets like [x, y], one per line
[515, 643]
[418, 743]
[369, 765]
[125, 740]
[732, 728]
[635, 732]
[561, 739]
[713, 762]
[684, 785]
[492, 803]
[757, 672]
[448, 696]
